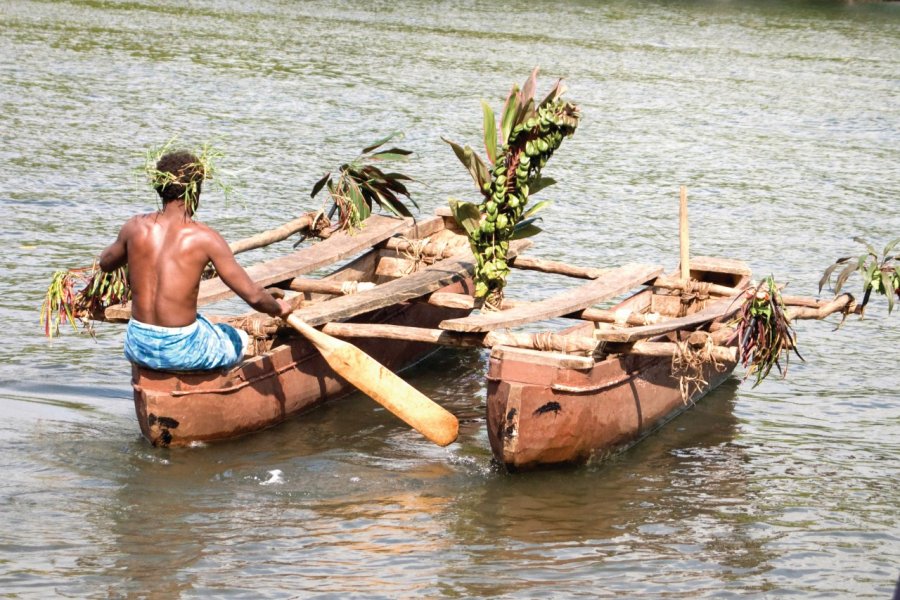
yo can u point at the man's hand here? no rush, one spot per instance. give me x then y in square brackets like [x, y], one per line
[286, 309]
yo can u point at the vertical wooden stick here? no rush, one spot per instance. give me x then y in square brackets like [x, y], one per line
[684, 237]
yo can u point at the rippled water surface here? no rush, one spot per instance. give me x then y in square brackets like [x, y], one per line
[782, 118]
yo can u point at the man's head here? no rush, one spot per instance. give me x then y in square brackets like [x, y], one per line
[180, 178]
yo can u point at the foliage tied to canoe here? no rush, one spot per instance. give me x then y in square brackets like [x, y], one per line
[517, 149]
[879, 272]
[763, 332]
[359, 185]
[66, 302]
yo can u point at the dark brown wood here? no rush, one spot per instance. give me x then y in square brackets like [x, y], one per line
[614, 283]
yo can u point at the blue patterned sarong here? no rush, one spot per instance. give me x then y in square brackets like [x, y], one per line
[199, 346]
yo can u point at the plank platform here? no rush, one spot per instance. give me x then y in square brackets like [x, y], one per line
[613, 283]
[339, 246]
[722, 308]
[429, 279]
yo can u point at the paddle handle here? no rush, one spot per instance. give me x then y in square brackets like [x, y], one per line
[382, 385]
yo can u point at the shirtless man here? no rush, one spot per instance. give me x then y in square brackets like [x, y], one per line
[166, 252]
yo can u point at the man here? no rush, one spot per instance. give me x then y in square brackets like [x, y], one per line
[166, 252]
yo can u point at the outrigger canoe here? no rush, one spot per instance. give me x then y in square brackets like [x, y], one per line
[547, 408]
[288, 376]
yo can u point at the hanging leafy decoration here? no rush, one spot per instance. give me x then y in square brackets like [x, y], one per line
[359, 185]
[763, 332]
[880, 273]
[63, 302]
[529, 134]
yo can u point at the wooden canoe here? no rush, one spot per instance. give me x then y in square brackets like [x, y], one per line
[290, 376]
[548, 408]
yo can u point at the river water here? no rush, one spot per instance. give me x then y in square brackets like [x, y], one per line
[782, 118]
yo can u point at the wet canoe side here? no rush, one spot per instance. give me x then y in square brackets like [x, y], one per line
[546, 409]
[177, 410]
[542, 414]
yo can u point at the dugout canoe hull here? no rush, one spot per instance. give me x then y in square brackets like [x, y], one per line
[548, 409]
[181, 409]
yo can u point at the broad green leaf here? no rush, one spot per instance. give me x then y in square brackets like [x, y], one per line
[466, 214]
[393, 154]
[510, 108]
[465, 157]
[530, 86]
[482, 171]
[380, 142]
[525, 112]
[356, 197]
[525, 232]
[540, 184]
[490, 132]
[558, 90]
[890, 246]
[397, 176]
[320, 184]
[393, 186]
[868, 246]
[888, 284]
[830, 270]
[537, 208]
[390, 203]
[848, 270]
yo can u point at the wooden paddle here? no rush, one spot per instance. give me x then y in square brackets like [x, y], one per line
[382, 385]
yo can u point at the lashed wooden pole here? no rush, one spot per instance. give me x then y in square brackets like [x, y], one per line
[684, 236]
[273, 235]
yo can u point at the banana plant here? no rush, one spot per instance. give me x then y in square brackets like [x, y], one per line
[359, 185]
[880, 273]
[517, 149]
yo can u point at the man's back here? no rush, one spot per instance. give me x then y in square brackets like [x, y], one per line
[167, 253]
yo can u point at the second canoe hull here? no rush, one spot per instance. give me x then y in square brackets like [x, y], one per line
[544, 415]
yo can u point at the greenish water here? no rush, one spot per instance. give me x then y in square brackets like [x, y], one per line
[782, 118]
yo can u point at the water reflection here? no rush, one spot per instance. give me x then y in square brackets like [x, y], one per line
[679, 496]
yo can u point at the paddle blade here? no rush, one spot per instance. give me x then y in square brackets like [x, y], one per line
[382, 385]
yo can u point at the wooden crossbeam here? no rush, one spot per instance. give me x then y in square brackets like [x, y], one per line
[611, 284]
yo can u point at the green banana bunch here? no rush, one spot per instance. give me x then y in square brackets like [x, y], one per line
[529, 137]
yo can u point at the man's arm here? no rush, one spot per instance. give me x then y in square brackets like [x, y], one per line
[236, 278]
[116, 254]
